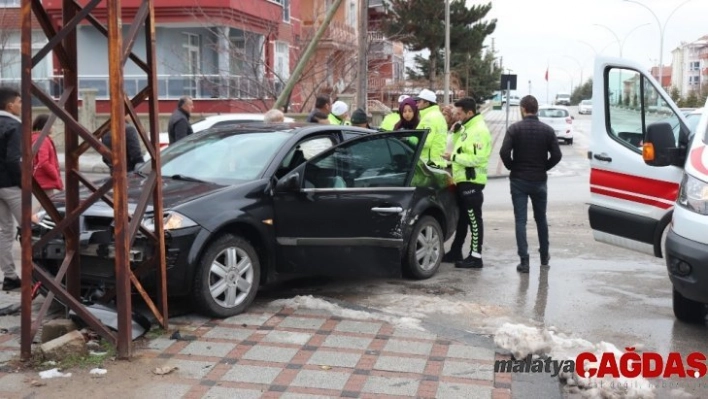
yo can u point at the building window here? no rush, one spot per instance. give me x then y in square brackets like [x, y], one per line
[286, 10]
[193, 62]
[694, 66]
[9, 3]
[694, 80]
[282, 60]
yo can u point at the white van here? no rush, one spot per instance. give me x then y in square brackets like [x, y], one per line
[649, 179]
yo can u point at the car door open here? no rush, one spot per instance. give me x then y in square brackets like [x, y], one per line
[631, 202]
[343, 212]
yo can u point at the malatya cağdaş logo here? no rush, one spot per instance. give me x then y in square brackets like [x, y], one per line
[630, 364]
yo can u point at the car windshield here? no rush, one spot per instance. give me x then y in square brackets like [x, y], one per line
[552, 113]
[587, 102]
[221, 157]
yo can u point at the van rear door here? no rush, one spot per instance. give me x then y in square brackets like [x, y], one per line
[630, 202]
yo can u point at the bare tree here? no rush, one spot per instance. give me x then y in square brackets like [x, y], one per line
[248, 73]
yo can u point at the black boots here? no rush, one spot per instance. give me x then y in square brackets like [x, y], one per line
[9, 284]
[545, 260]
[523, 266]
[469, 262]
[452, 256]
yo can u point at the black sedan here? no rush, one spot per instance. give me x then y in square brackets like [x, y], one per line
[246, 205]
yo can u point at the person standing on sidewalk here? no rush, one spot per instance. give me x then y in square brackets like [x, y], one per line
[178, 127]
[45, 166]
[469, 159]
[530, 149]
[10, 181]
[322, 106]
[339, 114]
[133, 151]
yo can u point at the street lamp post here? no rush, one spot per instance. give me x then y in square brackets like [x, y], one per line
[581, 66]
[621, 43]
[662, 30]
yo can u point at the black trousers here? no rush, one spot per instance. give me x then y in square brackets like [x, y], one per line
[470, 199]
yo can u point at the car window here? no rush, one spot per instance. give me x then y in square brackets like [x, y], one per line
[552, 113]
[378, 161]
[634, 104]
[302, 152]
[222, 158]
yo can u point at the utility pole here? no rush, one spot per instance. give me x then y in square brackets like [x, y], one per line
[363, 70]
[309, 51]
[447, 53]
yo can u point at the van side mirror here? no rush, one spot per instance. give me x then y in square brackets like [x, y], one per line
[288, 184]
[659, 148]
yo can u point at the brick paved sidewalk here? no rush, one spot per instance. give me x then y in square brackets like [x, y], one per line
[286, 353]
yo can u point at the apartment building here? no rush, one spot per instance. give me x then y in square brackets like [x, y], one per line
[690, 66]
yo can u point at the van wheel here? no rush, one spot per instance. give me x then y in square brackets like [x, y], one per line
[687, 310]
[228, 277]
[425, 249]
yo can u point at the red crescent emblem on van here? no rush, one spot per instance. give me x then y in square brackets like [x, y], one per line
[697, 160]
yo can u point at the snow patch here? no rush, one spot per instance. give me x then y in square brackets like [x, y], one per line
[98, 371]
[53, 373]
[310, 302]
[522, 340]
[680, 393]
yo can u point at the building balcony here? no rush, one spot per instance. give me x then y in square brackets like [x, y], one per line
[337, 36]
[169, 86]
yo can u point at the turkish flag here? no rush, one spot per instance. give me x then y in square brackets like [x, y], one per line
[546, 74]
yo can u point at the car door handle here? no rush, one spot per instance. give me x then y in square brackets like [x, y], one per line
[392, 209]
[602, 157]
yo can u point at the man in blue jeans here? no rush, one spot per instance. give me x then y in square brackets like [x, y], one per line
[530, 149]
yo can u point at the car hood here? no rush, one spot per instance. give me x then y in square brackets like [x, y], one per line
[174, 192]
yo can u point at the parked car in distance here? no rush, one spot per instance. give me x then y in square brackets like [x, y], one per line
[219, 121]
[559, 119]
[248, 204]
[514, 100]
[585, 107]
[562, 99]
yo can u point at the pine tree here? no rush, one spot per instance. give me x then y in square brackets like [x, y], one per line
[420, 25]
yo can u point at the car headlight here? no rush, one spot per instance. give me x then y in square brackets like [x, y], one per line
[693, 194]
[172, 221]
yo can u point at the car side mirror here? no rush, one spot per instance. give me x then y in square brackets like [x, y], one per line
[288, 184]
[659, 148]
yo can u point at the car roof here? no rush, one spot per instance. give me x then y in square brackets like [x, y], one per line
[236, 117]
[553, 107]
[296, 128]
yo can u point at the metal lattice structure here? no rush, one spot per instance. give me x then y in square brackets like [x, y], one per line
[62, 41]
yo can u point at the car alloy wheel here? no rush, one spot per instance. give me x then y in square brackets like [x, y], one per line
[227, 278]
[427, 248]
[424, 251]
[231, 277]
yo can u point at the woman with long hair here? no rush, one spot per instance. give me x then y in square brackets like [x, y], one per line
[410, 115]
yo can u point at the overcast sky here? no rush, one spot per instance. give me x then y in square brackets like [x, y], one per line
[532, 35]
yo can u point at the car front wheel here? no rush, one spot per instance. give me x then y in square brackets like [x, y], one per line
[425, 248]
[687, 310]
[227, 278]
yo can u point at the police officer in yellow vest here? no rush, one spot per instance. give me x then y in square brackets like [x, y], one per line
[339, 116]
[431, 118]
[389, 121]
[469, 159]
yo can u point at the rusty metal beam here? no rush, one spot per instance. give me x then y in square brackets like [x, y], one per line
[63, 43]
[151, 51]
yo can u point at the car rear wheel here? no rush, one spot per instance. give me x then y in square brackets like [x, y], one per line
[228, 277]
[687, 310]
[425, 249]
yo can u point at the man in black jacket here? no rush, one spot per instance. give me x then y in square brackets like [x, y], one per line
[10, 181]
[525, 152]
[134, 154]
[178, 127]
